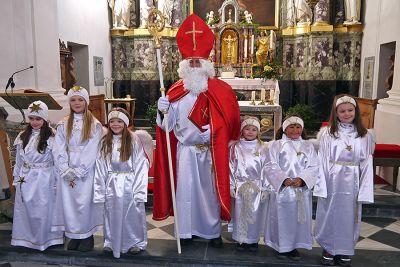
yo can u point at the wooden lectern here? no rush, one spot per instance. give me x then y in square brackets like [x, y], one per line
[25, 97]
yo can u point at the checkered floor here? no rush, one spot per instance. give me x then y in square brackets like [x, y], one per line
[376, 233]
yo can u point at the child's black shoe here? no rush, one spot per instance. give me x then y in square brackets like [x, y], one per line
[282, 255]
[343, 260]
[240, 246]
[294, 255]
[327, 259]
[253, 247]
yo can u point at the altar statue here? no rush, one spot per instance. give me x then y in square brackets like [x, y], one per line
[210, 18]
[248, 17]
[145, 6]
[165, 6]
[120, 13]
[229, 47]
[352, 11]
[303, 12]
[262, 48]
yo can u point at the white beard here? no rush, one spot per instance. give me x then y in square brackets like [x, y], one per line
[195, 80]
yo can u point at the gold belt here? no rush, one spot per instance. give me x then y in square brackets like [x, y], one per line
[202, 147]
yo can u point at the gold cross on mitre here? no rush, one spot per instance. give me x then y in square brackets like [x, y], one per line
[193, 32]
[35, 107]
[76, 88]
[204, 112]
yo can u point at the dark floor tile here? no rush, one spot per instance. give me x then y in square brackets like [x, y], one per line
[380, 222]
[387, 237]
[168, 228]
[150, 226]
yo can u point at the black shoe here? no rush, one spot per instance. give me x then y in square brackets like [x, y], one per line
[135, 250]
[216, 242]
[107, 251]
[343, 260]
[294, 255]
[282, 255]
[240, 246]
[86, 244]
[327, 259]
[186, 241]
[253, 247]
[73, 244]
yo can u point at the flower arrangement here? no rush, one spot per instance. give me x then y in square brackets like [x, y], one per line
[269, 70]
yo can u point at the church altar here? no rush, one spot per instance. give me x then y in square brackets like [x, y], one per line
[270, 113]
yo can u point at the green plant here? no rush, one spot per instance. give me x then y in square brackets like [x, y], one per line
[152, 115]
[306, 112]
[268, 70]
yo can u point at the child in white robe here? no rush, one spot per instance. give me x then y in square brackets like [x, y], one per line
[345, 181]
[292, 168]
[76, 145]
[121, 183]
[248, 185]
[35, 179]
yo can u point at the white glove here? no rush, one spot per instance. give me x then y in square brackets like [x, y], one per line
[205, 136]
[69, 175]
[264, 196]
[163, 104]
[233, 194]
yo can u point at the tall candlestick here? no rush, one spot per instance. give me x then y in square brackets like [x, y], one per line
[263, 94]
[271, 94]
[252, 44]
[245, 47]
[253, 95]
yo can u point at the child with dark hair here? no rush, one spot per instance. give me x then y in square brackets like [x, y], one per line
[34, 179]
[345, 181]
[121, 184]
[292, 168]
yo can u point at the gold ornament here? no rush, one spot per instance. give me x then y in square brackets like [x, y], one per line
[76, 88]
[35, 107]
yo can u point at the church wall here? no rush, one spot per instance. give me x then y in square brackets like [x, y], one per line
[86, 23]
[382, 26]
[30, 37]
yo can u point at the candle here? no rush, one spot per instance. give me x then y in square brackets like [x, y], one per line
[253, 95]
[271, 94]
[245, 48]
[271, 40]
[263, 94]
[252, 44]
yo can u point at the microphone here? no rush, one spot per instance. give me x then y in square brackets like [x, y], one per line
[11, 80]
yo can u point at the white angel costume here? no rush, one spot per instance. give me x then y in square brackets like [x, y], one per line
[122, 186]
[34, 180]
[289, 221]
[248, 181]
[77, 214]
[345, 183]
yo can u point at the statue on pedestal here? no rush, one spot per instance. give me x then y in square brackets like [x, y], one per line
[120, 13]
[165, 6]
[352, 11]
[262, 48]
[145, 6]
[248, 17]
[303, 12]
[210, 18]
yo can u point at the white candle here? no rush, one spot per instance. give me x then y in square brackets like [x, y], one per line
[253, 95]
[271, 39]
[245, 48]
[263, 94]
[252, 44]
[271, 94]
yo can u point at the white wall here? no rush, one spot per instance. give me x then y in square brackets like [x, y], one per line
[87, 23]
[29, 34]
[382, 25]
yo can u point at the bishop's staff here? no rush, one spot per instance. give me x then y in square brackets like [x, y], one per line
[155, 24]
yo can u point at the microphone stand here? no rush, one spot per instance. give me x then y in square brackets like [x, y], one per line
[11, 83]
